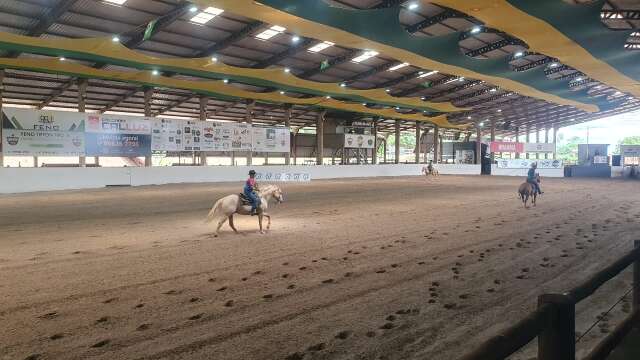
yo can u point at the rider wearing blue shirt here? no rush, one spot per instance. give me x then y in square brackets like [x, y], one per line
[531, 178]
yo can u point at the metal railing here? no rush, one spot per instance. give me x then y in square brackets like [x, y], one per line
[553, 322]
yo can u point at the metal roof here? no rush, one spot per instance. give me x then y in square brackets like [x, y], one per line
[231, 37]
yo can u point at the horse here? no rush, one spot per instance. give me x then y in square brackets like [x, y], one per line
[434, 172]
[527, 190]
[225, 208]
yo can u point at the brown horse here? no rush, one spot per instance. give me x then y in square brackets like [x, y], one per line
[527, 190]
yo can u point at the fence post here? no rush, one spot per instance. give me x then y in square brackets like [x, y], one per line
[636, 280]
[557, 340]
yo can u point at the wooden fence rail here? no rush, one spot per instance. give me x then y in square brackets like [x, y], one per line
[553, 323]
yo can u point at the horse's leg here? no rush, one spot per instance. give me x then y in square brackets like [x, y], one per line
[231, 224]
[268, 220]
[533, 200]
[220, 223]
[260, 222]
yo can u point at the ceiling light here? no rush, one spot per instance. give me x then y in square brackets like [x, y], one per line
[343, 85]
[413, 6]
[617, 93]
[155, 72]
[493, 90]
[115, 39]
[397, 108]
[387, 90]
[321, 46]
[117, 2]
[364, 104]
[295, 39]
[424, 74]
[271, 32]
[481, 124]
[365, 56]
[578, 79]
[226, 81]
[399, 66]
[214, 59]
[328, 97]
[193, 9]
[553, 65]
[281, 92]
[423, 98]
[499, 110]
[461, 78]
[62, 58]
[287, 70]
[518, 54]
[205, 16]
[476, 29]
[468, 117]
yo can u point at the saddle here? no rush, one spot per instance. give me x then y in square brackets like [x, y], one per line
[244, 199]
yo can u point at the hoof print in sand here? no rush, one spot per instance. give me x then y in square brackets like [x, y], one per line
[100, 344]
[143, 327]
[196, 317]
[343, 335]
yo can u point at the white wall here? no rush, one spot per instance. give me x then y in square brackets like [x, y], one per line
[18, 180]
[495, 170]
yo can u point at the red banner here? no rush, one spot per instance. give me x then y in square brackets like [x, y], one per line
[514, 147]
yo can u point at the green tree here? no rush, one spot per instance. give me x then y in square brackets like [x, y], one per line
[629, 140]
[568, 151]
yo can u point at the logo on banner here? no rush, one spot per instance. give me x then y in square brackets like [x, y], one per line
[76, 141]
[46, 123]
[13, 140]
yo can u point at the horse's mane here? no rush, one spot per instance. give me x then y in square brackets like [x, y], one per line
[266, 189]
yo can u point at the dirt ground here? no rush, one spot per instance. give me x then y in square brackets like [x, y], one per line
[351, 269]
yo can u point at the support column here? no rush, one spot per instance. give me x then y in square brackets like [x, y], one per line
[320, 137]
[82, 104]
[517, 140]
[555, 141]
[527, 139]
[418, 142]
[546, 139]
[425, 133]
[436, 144]
[537, 140]
[295, 147]
[148, 94]
[384, 149]
[1, 136]
[249, 120]
[204, 101]
[374, 132]
[397, 138]
[287, 123]
[493, 138]
[441, 148]
[478, 145]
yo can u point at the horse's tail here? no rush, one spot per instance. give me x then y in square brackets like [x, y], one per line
[212, 213]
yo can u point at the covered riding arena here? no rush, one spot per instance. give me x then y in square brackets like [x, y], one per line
[124, 122]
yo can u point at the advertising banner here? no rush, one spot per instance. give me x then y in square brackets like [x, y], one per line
[630, 150]
[284, 177]
[526, 163]
[166, 135]
[227, 136]
[271, 139]
[501, 146]
[191, 135]
[42, 133]
[118, 135]
[538, 147]
[359, 141]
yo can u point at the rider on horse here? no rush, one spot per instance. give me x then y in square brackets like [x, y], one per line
[532, 179]
[250, 188]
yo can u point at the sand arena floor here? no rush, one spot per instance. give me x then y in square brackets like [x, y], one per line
[352, 269]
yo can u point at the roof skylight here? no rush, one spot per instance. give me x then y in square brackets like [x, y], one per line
[205, 16]
[365, 56]
[321, 46]
[271, 32]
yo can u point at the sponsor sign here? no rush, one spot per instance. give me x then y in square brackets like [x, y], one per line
[227, 136]
[271, 139]
[630, 150]
[284, 177]
[600, 159]
[526, 163]
[501, 146]
[42, 133]
[538, 147]
[166, 135]
[191, 135]
[117, 135]
[359, 141]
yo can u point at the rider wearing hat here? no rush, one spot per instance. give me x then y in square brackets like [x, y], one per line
[531, 178]
[250, 188]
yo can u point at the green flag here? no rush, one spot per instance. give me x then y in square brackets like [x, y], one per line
[426, 84]
[324, 65]
[148, 32]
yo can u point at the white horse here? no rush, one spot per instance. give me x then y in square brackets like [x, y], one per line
[225, 208]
